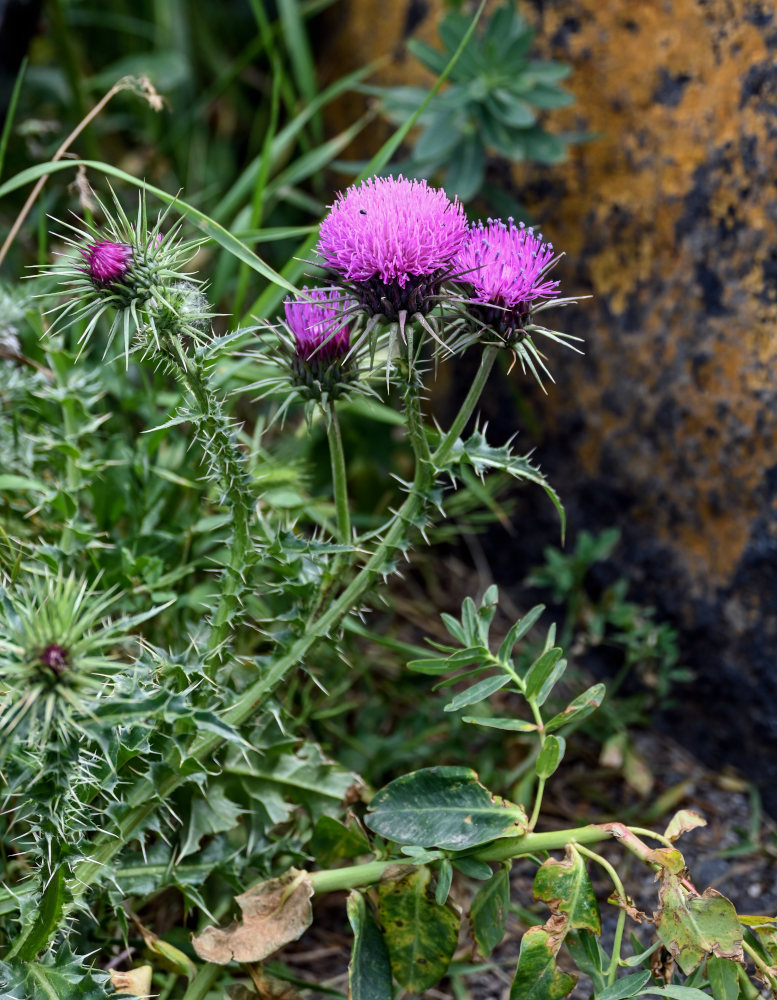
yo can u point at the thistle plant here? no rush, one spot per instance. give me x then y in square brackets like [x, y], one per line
[158, 749]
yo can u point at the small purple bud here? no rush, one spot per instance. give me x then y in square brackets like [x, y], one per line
[55, 658]
[107, 262]
[318, 326]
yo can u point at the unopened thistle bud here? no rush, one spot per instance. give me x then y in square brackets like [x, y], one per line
[107, 262]
[130, 269]
[321, 339]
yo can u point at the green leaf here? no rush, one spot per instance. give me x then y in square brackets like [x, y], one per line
[483, 457]
[692, 927]
[421, 935]
[537, 977]
[540, 670]
[511, 110]
[579, 708]
[444, 880]
[213, 813]
[677, 992]
[369, 971]
[623, 989]
[588, 956]
[477, 692]
[473, 868]
[723, 977]
[21, 484]
[511, 725]
[332, 841]
[518, 631]
[466, 170]
[278, 779]
[444, 807]
[550, 756]
[565, 887]
[488, 911]
[38, 935]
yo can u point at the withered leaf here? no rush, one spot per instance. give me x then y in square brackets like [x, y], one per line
[669, 858]
[135, 982]
[275, 912]
[682, 822]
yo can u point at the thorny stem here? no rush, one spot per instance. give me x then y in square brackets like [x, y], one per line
[231, 469]
[146, 796]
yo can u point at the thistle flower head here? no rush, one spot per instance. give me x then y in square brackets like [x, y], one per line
[391, 241]
[107, 262]
[506, 268]
[59, 656]
[129, 269]
[317, 322]
[503, 272]
[312, 351]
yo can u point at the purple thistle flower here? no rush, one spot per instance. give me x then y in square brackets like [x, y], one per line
[506, 267]
[392, 241]
[319, 329]
[107, 262]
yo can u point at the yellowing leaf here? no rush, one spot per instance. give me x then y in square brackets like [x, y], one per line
[537, 977]
[693, 927]
[420, 934]
[566, 888]
[682, 822]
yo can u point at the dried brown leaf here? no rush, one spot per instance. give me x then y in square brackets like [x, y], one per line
[275, 912]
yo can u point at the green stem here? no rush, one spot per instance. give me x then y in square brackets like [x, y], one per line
[535, 813]
[200, 986]
[339, 480]
[768, 971]
[615, 960]
[506, 849]
[467, 407]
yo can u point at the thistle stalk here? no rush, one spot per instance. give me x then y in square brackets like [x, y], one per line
[467, 407]
[230, 466]
[339, 480]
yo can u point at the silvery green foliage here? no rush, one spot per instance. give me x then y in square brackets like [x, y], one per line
[493, 104]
